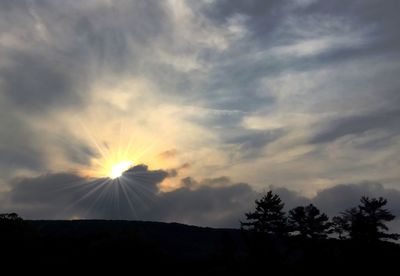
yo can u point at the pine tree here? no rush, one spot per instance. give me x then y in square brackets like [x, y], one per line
[367, 221]
[268, 216]
[340, 226]
[308, 222]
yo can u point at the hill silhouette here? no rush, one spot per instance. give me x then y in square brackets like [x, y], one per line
[113, 245]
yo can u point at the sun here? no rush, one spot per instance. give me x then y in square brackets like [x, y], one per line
[112, 157]
[119, 168]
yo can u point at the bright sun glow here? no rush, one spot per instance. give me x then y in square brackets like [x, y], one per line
[118, 169]
[114, 156]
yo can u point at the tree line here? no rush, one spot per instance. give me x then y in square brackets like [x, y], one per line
[366, 222]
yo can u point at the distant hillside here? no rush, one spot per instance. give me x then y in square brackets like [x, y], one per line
[100, 245]
[176, 240]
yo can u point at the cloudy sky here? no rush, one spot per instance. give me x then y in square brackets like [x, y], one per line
[211, 102]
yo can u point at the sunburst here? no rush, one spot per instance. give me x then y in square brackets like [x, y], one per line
[115, 156]
[119, 168]
[108, 180]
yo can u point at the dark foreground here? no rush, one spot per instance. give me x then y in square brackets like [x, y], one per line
[133, 247]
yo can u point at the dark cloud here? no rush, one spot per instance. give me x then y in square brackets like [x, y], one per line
[226, 8]
[383, 16]
[238, 141]
[17, 144]
[221, 206]
[262, 16]
[65, 195]
[239, 91]
[212, 202]
[35, 82]
[386, 120]
[216, 202]
[336, 199]
[78, 152]
[253, 139]
[291, 198]
[140, 173]
[24, 147]
[379, 17]
[248, 144]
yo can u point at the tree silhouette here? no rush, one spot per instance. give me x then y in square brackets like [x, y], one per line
[8, 217]
[367, 221]
[13, 227]
[268, 216]
[308, 222]
[376, 216]
[11, 223]
[340, 226]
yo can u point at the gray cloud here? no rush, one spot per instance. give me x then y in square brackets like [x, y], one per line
[262, 16]
[223, 9]
[249, 144]
[68, 46]
[216, 202]
[17, 144]
[212, 202]
[78, 152]
[336, 199]
[387, 120]
[65, 195]
[219, 206]
[34, 82]
[285, 37]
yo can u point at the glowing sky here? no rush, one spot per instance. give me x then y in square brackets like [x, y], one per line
[298, 94]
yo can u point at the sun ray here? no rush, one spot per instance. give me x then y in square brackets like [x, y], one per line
[128, 199]
[136, 195]
[93, 139]
[89, 193]
[143, 190]
[71, 185]
[100, 196]
[119, 141]
[112, 182]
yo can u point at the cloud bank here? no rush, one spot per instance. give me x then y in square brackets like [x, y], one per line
[216, 202]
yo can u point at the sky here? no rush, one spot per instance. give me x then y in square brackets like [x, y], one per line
[210, 103]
